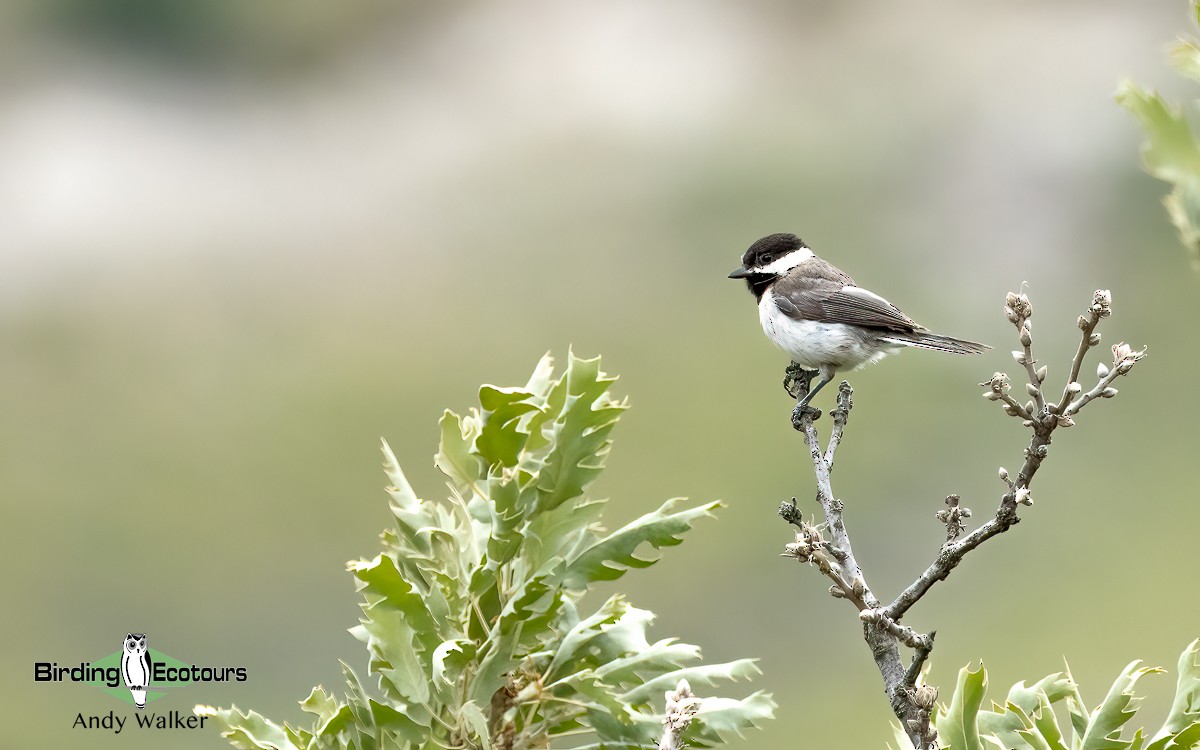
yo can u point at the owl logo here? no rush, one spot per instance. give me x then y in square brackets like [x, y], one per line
[135, 667]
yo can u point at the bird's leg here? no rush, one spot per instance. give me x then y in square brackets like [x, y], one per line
[803, 406]
[797, 379]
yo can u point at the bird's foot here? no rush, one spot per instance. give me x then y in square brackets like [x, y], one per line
[800, 411]
[796, 379]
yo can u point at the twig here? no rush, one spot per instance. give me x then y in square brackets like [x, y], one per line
[912, 703]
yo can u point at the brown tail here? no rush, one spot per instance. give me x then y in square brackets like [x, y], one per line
[937, 343]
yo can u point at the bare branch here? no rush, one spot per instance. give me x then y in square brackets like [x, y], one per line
[840, 415]
[834, 557]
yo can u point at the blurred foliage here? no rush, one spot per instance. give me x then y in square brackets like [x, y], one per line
[471, 616]
[266, 36]
[1028, 720]
[1172, 152]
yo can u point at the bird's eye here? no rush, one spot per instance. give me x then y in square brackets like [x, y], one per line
[766, 259]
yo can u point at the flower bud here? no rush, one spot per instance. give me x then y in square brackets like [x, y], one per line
[1066, 421]
[1042, 372]
[1030, 406]
[1003, 474]
[1020, 357]
[1026, 339]
[1023, 498]
[1082, 323]
[1010, 411]
[1108, 392]
[1101, 370]
[1074, 388]
[1032, 390]
[991, 395]
[924, 697]
[1094, 340]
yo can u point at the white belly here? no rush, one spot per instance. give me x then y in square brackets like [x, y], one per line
[820, 346]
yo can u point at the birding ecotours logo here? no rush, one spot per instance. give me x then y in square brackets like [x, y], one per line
[136, 674]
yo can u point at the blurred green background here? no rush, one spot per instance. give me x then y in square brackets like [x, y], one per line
[242, 241]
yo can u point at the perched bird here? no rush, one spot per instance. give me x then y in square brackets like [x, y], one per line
[815, 312]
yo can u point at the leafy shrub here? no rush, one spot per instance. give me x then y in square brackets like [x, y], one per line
[1028, 719]
[471, 612]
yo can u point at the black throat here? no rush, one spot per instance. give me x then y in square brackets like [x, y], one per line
[759, 283]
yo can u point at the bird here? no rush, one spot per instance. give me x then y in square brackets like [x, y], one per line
[814, 312]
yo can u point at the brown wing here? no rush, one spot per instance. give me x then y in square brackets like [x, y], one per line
[827, 294]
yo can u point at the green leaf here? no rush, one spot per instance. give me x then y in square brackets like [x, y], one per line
[531, 609]
[659, 658]
[1054, 688]
[394, 653]
[1185, 56]
[1077, 709]
[1183, 208]
[720, 720]
[454, 457]
[609, 558]
[411, 514]
[1017, 723]
[332, 716]
[957, 726]
[589, 688]
[398, 722]
[1182, 727]
[507, 514]
[451, 658]
[579, 442]
[556, 535]
[1104, 726]
[501, 438]
[1046, 723]
[247, 731]
[473, 716]
[699, 676]
[625, 636]
[1171, 152]
[639, 731]
[581, 634]
[383, 581]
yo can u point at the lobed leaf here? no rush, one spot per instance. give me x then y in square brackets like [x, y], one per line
[957, 726]
[578, 442]
[1104, 725]
[501, 438]
[477, 723]
[607, 559]
[720, 720]
[1182, 727]
[247, 731]
[703, 675]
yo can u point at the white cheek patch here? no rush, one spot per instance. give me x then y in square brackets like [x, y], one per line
[782, 265]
